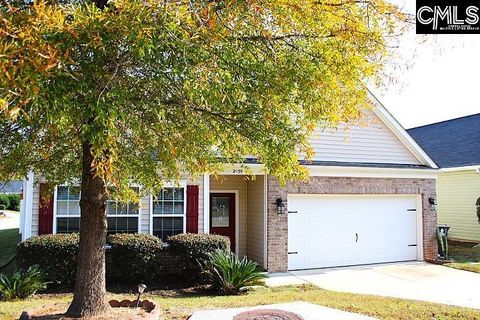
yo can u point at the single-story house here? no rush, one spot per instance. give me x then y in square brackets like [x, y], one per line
[455, 146]
[369, 200]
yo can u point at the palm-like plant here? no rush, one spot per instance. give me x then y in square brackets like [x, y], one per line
[22, 284]
[229, 273]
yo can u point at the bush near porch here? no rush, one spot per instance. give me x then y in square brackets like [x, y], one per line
[132, 258]
[193, 251]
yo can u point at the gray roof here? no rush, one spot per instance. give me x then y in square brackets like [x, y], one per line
[350, 164]
[11, 186]
[451, 143]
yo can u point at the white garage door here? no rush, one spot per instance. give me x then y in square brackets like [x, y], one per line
[343, 230]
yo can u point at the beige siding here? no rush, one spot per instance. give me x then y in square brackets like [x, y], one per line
[370, 141]
[35, 208]
[256, 219]
[235, 183]
[457, 193]
[144, 208]
[144, 214]
[199, 182]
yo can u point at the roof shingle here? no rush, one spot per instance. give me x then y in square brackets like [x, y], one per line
[451, 143]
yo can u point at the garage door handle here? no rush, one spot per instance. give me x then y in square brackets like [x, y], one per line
[292, 211]
[356, 237]
[294, 252]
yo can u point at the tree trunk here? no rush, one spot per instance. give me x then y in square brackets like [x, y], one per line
[89, 298]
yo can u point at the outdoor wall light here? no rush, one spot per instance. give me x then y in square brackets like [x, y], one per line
[433, 203]
[141, 288]
[280, 206]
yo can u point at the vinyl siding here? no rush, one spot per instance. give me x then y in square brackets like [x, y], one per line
[144, 209]
[35, 207]
[457, 193]
[235, 183]
[369, 141]
[256, 219]
[199, 183]
[144, 215]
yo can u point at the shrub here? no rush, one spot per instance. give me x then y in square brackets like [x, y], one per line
[14, 202]
[193, 251]
[133, 258]
[22, 284]
[55, 254]
[10, 202]
[5, 200]
[229, 274]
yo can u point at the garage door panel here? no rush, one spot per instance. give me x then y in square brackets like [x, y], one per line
[343, 230]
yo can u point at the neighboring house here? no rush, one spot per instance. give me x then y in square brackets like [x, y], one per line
[9, 187]
[367, 201]
[455, 146]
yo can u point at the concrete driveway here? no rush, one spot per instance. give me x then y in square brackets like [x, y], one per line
[10, 221]
[413, 280]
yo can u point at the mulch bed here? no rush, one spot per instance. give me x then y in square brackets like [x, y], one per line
[125, 309]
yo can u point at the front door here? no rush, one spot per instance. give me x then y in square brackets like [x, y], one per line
[222, 216]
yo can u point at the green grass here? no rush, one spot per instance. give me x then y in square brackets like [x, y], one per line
[8, 246]
[177, 305]
[465, 255]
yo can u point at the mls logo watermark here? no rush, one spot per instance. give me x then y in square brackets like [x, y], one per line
[448, 17]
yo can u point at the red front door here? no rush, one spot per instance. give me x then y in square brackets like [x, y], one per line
[222, 216]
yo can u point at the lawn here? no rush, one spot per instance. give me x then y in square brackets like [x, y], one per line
[178, 305]
[8, 245]
[466, 256]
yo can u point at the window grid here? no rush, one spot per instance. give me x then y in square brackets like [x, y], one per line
[168, 212]
[122, 218]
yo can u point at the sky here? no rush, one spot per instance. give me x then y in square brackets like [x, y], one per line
[438, 78]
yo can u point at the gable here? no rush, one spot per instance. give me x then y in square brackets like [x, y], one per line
[368, 141]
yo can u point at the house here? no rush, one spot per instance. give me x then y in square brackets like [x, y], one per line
[11, 187]
[367, 201]
[455, 146]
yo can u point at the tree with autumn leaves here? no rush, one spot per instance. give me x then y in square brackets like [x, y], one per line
[144, 91]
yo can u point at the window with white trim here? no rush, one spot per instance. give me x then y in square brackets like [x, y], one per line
[68, 209]
[168, 212]
[121, 217]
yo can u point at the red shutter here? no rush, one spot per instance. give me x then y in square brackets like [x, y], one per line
[192, 209]
[45, 219]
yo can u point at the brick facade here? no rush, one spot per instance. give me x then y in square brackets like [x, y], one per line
[277, 225]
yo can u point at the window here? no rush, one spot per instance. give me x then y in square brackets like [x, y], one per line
[121, 217]
[68, 209]
[168, 213]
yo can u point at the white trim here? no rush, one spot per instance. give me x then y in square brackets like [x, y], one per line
[237, 215]
[54, 224]
[242, 169]
[181, 184]
[206, 203]
[366, 172]
[55, 215]
[400, 132]
[265, 220]
[28, 207]
[465, 168]
[419, 227]
[418, 208]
